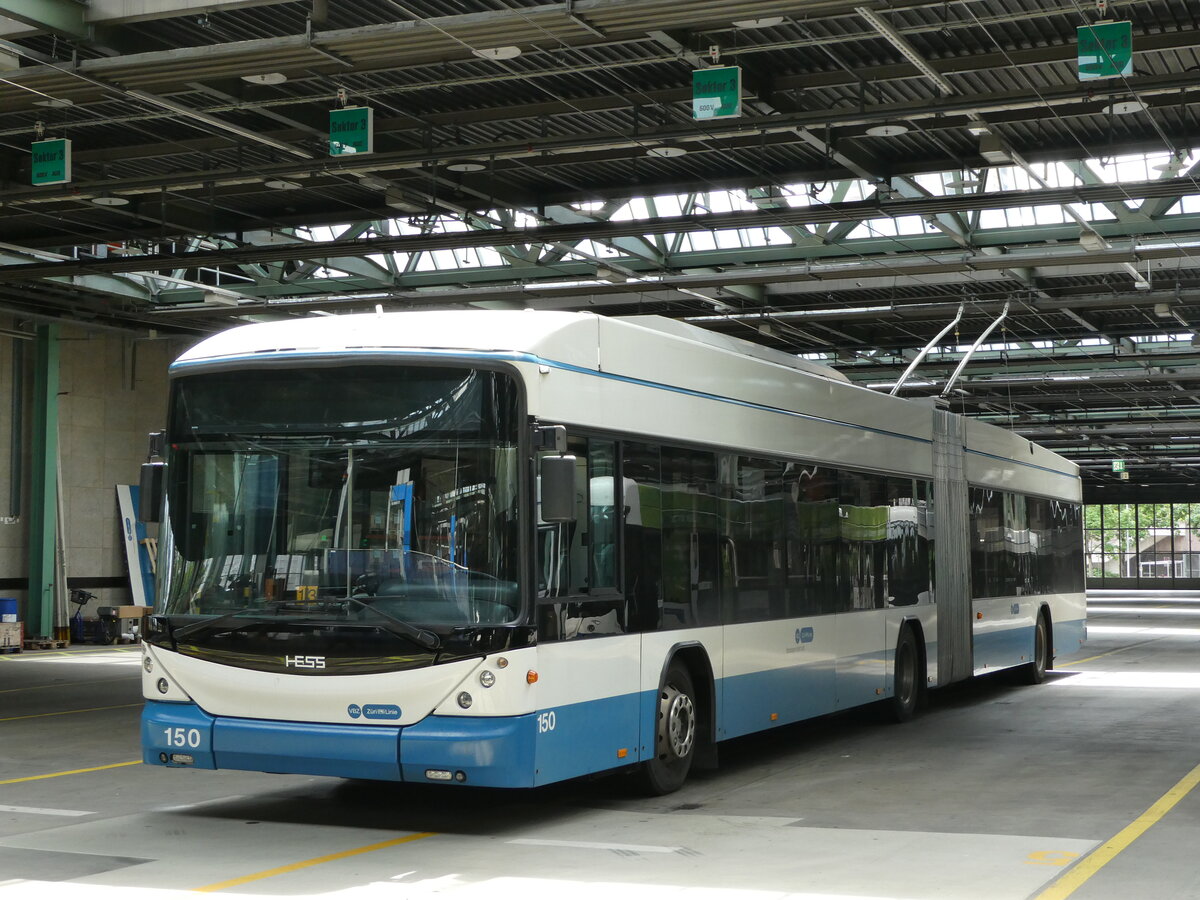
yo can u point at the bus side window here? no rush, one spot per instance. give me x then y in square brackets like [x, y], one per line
[642, 513]
[577, 560]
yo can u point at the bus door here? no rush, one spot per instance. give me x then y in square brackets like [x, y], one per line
[589, 659]
[862, 659]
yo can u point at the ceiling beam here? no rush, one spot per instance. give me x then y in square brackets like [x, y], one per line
[63, 17]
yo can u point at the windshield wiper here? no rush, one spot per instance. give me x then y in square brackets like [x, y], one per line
[246, 616]
[239, 617]
[419, 636]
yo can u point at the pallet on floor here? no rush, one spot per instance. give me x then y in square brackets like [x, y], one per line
[45, 644]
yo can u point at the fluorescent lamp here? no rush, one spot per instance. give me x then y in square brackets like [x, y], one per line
[508, 52]
[764, 22]
[266, 78]
[1125, 107]
[666, 152]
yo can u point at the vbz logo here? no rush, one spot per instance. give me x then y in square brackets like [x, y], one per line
[304, 662]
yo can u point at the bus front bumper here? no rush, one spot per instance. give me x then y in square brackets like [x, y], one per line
[463, 750]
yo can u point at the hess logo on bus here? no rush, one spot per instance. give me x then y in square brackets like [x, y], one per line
[304, 662]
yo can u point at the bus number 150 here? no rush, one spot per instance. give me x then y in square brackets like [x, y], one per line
[545, 722]
[183, 737]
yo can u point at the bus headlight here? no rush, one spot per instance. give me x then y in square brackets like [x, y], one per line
[147, 663]
[163, 686]
[487, 678]
[465, 700]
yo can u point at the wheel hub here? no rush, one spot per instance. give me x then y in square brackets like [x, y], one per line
[679, 722]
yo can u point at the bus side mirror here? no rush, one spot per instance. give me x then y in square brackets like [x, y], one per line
[150, 492]
[558, 488]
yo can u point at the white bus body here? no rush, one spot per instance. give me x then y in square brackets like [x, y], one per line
[574, 685]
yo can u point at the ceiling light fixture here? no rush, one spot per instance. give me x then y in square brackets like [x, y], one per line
[666, 152]
[1125, 107]
[466, 165]
[888, 129]
[979, 128]
[110, 200]
[508, 52]
[54, 102]
[266, 78]
[764, 22]
[280, 184]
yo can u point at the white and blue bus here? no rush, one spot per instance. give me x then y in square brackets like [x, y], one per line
[510, 548]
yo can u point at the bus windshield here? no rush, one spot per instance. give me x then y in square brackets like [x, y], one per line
[380, 493]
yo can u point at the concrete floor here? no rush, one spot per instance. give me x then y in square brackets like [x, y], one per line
[995, 792]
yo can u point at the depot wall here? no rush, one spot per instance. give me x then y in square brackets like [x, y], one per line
[112, 392]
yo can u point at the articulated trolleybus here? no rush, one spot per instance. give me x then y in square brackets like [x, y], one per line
[511, 548]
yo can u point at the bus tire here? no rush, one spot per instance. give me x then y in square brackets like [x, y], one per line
[676, 733]
[907, 677]
[1035, 672]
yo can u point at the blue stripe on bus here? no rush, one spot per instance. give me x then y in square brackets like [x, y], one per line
[529, 750]
[1002, 648]
[174, 728]
[307, 748]
[746, 702]
[554, 364]
[258, 745]
[1069, 636]
[587, 737]
[489, 752]
[568, 367]
[1021, 463]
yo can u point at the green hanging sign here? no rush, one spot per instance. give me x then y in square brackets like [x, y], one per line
[51, 162]
[351, 130]
[717, 93]
[1105, 50]
[1118, 465]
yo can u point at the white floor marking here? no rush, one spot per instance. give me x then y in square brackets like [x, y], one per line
[38, 811]
[594, 845]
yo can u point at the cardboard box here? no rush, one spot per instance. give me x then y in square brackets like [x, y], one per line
[124, 612]
[11, 634]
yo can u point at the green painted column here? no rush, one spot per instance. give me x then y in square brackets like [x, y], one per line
[43, 500]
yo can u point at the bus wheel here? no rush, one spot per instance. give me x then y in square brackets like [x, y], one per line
[906, 678]
[1035, 672]
[675, 734]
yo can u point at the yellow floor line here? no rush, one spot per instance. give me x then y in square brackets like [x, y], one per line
[69, 712]
[32, 655]
[1079, 662]
[1072, 880]
[136, 762]
[63, 684]
[283, 870]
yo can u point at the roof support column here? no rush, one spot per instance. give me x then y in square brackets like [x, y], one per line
[43, 500]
